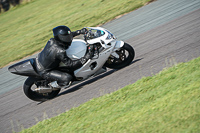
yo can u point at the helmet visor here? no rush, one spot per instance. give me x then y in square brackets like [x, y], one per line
[66, 38]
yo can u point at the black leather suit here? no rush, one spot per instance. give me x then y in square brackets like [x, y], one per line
[48, 60]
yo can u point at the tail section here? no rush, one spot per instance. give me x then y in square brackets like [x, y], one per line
[24, 68]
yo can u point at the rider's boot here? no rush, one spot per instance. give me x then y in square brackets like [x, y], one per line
[68, 85]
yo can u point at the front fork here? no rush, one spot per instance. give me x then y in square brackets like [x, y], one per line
[118, 45]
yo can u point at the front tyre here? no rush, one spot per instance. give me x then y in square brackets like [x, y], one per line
[126, 56]
[30, 84]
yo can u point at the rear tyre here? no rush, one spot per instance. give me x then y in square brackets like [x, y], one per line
[30, 85]
[126, 56]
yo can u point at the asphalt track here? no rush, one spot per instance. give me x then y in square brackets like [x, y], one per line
[162, 33]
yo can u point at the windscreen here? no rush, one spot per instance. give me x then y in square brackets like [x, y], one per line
[93, 33]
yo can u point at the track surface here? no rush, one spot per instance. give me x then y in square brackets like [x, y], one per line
[162, 33]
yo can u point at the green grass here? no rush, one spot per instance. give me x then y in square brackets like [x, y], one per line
[26, 29]
[167, 102]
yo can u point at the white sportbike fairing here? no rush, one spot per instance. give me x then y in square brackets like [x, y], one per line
[105, 40]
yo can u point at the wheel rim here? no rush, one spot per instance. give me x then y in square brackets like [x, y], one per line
[123, 56]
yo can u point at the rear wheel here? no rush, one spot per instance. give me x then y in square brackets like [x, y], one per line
[29, 89]
[126, 55]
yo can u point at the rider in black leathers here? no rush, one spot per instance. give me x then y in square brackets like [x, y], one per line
[55, 52]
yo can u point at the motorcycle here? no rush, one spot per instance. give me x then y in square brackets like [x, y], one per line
[108, 53]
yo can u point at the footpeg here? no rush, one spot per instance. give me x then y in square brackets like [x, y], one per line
[66, 86]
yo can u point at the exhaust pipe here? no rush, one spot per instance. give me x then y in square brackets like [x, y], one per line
[44, 90]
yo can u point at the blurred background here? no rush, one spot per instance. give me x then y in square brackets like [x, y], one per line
[5, 5]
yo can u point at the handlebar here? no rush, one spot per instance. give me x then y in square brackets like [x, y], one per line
[88, 35]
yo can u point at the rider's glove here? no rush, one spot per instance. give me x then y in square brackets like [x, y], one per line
[83, 31]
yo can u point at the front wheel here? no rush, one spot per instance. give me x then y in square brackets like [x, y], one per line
[29, 89]
[126, 56]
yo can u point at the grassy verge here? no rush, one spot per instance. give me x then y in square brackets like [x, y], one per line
[26, 29]
[166, 102]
